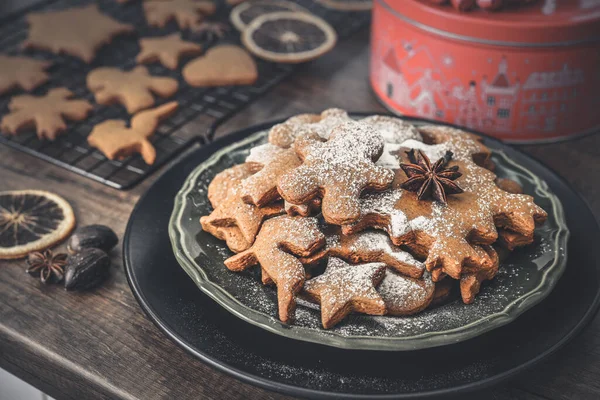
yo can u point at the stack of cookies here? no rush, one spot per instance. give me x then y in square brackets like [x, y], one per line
[398, 214]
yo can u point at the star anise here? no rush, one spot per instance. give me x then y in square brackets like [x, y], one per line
[428, 180]
[48, 266]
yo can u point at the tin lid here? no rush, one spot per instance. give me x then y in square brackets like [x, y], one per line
[544, 22]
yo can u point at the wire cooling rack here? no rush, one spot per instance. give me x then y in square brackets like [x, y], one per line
[206, 107]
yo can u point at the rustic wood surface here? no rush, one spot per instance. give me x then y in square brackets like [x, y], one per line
[101, 345]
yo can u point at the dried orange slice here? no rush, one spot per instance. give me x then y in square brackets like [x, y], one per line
[243, 14]
[347, 5]
[289, 37]
[32, 220]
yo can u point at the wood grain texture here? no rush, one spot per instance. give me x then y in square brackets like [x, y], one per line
[100, 345]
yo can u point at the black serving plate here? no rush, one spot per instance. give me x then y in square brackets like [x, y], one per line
[211, 333]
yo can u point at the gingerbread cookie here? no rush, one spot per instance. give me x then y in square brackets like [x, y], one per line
[77, 31]
[167, 49]
[470, 281]
[303, 210]
[368, 246]
[187, 13]
[22, 72]
[233, 211]
[510, 186]
[338, 171]
[217, 193]
[442, 232]
[394, 132]
[284, 134]
[443, 292]
[132, 88]
[222, 65]
[47, 113]
[261, 188]
[279, 242]
[116, 141]
[404, 295]
[345, 288]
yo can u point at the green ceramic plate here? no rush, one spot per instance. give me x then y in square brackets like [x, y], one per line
[524, 279]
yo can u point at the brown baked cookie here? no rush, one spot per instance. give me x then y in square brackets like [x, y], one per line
[464, 145]
[345, 288]
[47, 113]
[284, 134]
[338, 171]
[443, 233]
[508, 185]
[443, 292]
[394, 131]
[187, 13]
[221, 65]
[77, 31]
[261, 188]
[132, 88]
[368, 246]
[22, 72]
[470, 281]
[217, 193]
[233, 211]
[279, 242]
[117, 141]
[167, 50]
[303, 210]
[404, 295]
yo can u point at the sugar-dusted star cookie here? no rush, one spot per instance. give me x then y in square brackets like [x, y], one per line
[345, 288]
[47, 113]
[337, 170]
[233, 211]
[22, 72]
[285, 133]
[367, 246]
[166, 49]
[77, 31]
[117, 141]
[187, 13]
[134, 89]
[278, 244]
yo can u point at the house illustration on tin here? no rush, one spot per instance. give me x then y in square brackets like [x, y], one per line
[499, 98]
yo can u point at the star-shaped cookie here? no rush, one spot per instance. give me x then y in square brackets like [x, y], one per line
[233, 211]
[187, 13]
[77, 31]
[337, 170]
[23, 72]
[285, 134]
[167, 49]
[278, 244]
[134, 89]
[368, 246]
[47, 113]
[345, 288]
[117, 141]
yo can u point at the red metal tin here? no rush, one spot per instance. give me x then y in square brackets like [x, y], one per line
[532, 74]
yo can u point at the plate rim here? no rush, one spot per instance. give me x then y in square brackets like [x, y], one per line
[361, 342]
[265, 383]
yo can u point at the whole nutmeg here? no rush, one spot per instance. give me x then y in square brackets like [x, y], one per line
[86, 269]
[93, 236]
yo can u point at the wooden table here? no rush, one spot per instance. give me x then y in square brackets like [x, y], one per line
[101, 345]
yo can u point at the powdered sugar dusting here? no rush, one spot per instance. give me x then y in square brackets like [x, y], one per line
[392, 129]
[264, 153]
[401, 292]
